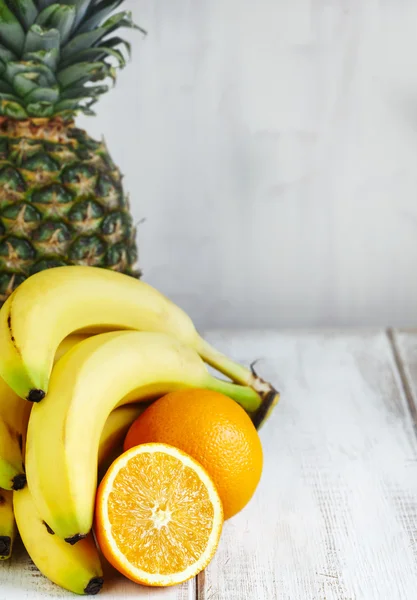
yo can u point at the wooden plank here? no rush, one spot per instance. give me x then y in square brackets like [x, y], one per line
[335, 516]
[20, 580]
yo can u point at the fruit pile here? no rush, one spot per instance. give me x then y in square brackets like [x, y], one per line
[88, 356]
[115, 438]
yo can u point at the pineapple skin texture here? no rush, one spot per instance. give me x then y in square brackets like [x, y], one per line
[61, 203]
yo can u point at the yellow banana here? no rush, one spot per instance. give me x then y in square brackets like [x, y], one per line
[14, 416]
[52, 304]
[114, 433]
[75, 568]
[7, 524]
[95, 377]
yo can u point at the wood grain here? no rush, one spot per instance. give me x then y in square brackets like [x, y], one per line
[335, 516]
[20, 580]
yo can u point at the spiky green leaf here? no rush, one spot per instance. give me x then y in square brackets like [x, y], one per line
[42, 4]
[45, 15]
[118, 45]
[98, 13]
[49, 58]
[58, 17]
[116, 42]
[86, 110]
[12, 34]
[24, 83]
[12, 109]
[81, 73]
[49, 95]
[87, 40]
[39, 38]
[45, 77]
[67, 105]
[5, 88]
[71, 106]
[83, 91]
[5, 96]
[64, 20]
[10, 106]
[98, 54]
[55, 54]
[112, 47]
[6, 55]
[40, 110]
[25, 10]
[81, 7]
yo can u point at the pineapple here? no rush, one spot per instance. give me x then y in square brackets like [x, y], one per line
[61, 196]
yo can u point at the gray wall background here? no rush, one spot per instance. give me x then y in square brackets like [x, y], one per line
[272, 148]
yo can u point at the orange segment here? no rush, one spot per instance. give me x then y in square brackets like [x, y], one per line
[158, 515]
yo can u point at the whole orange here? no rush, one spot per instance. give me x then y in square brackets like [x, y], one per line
[215, 431]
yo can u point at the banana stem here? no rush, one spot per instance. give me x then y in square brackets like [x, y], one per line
[238, 373]
[260, 405]
[243, 395]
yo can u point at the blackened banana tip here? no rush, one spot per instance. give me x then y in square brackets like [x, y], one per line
[75, 538]
[36, 395]
[5, 545]
[19, 482]
[264, 411]
[94, 586]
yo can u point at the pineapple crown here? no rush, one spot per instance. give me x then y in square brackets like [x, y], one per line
[52, 54]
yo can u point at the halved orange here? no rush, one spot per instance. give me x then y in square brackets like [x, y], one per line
[158, 515]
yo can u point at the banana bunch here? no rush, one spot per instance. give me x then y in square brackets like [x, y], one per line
[14, 417]
[83, 351]
[75, 568]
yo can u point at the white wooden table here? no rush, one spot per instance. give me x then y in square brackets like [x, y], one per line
[335, 515]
